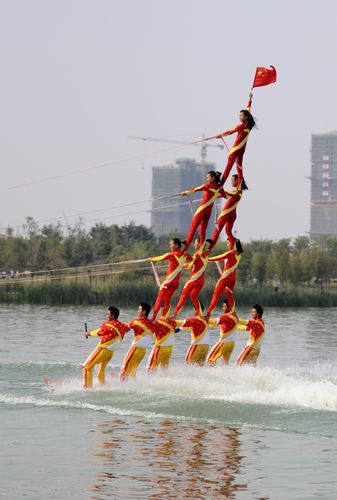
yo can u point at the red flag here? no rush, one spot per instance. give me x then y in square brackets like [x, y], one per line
[264, 76]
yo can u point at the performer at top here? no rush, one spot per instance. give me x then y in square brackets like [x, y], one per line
[228, 322]
[212, 191]
[247, 123]
[143, 339]
[227, 280]
[256, 329]
[227, 215]
[196, 280]
[177, 258]
[109, 332]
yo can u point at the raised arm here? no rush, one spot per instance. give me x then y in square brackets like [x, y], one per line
[249, 105]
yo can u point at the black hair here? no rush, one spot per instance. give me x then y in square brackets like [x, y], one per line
[202, 307]
[226, 301]
[238, 246]
[114, 310]
[146, 307]
[259, 309]
[177, 241]
[243, 182]
[249, 117]
[216, 175]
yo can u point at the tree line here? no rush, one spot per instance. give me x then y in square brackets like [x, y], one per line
[284, 263]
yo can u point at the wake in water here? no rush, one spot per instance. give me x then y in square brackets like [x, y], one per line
[289, 388]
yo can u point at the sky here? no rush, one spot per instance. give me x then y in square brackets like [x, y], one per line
[78, 77]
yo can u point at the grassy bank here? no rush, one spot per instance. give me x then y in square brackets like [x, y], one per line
[131, 292]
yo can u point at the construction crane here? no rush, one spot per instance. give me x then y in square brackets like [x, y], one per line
[203, 145]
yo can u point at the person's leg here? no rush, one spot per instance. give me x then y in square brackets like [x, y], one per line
[105, 359]
[227, 350]
[218, 291]
[159, 300]
[199, 355]
[152, 363]
[194, 294]
[248, 356]
[88, 366]
[167, 297]
[229, 228]
[204, 223]
[221, 221]
[190, 353]
[228, 168]
[229, 290]
[193, 228]
[131, 362]
[183, 297]
[239, 162]
[215, 354]
[164, 356]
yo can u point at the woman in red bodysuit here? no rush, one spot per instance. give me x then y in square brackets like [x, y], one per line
[227, 215]
[247, 123]
[177, 259]
[212, 191]
[226, 283]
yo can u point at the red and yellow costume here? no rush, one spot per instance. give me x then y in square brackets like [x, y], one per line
[256, 329]
[198, 350]
[226, 283]
[109, 332]
[201, 217]
[227, 216]
[196, 281]
[176, 259]
[224, 347]
[144, 330]
[238, 148]
[164, 342]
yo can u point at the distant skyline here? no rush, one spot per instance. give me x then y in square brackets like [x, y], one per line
[79, 77]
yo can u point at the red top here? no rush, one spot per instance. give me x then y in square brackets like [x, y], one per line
[176, 259]
[112, 329]
[241, 129]
[211, 193]
[141, 326]
[256, 328]
[197, 325]
[163, 328]
[233, 199]
[228, 322]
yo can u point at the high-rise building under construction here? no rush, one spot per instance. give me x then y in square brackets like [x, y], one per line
[323, 216]
[173, 215]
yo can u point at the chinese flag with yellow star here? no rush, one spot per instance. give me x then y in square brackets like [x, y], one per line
[264, 76]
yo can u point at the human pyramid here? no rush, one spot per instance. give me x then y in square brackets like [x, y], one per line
[162, 331]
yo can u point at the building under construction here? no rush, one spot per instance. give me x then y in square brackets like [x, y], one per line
[323, 216]
[173, 215]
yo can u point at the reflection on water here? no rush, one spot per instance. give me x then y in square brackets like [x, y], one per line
[168, 460]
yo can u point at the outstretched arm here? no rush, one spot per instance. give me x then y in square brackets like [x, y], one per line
[165, 256]
[223, 256]
[194, 190]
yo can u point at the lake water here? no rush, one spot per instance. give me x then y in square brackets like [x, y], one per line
[204, 433]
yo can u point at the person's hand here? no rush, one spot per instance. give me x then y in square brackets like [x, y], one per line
[183, 193]
[86, 334]
[250, 95]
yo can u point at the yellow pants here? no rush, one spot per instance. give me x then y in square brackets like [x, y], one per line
[100, 357]
[131, 361]
[196, 354]
[221, 349]
[248, 356]
[160, 356]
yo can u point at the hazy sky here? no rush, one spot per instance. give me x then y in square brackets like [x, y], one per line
[78, 77]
